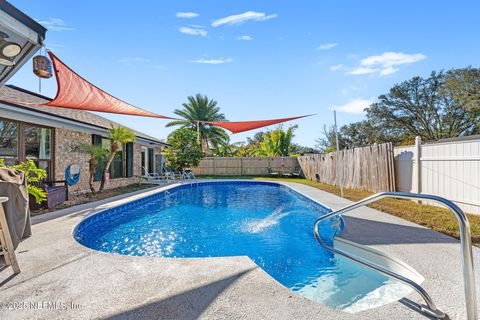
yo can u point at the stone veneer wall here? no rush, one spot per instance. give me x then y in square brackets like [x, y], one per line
[64, 156]
[66, 139]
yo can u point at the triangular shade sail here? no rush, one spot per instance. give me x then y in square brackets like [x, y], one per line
[241, 126]
[74, 92]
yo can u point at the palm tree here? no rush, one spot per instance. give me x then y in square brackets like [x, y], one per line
[97, 155]
[277, 142]
[198, 109]
[118, 135]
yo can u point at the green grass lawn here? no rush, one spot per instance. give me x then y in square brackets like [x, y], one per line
[436, 218]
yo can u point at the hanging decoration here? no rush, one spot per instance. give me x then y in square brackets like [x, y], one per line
[42, 67]
[74, 92]
[241, 126]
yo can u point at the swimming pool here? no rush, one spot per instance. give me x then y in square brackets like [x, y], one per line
[268, 222]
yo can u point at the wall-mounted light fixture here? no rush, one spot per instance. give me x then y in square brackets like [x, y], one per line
[8, 50]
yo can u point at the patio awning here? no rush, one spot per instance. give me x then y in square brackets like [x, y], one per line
[74, 92]
[241, 126]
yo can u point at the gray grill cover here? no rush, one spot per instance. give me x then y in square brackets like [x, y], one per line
[13, 185]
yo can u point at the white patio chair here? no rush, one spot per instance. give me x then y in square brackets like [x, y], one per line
[153, 177]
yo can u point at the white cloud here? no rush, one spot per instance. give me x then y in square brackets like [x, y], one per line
[388, 70]
[327, 46]
[362, 70]
[193, 31]
[245, 38]
[385, 63]
[131, 61]
[55, 24]
[212, 61]
[159, 67]
[240, 18]
[187, 15]
[355, 106]
[336, 67]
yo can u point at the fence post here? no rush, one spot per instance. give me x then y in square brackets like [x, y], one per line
[418, 165]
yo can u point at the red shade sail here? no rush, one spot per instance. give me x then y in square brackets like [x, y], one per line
[74, 92]
[241, 126]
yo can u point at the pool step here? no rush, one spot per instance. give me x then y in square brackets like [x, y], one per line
[378, 258]
[386, 263]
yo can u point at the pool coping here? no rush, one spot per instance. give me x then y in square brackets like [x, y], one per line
[273, 300]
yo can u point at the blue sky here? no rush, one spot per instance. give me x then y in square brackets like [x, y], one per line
[258, 59]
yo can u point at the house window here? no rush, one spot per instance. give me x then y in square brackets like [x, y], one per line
[38, 146]
[122, 165]
[150, 160]
[147, 160]
[116, 170]
[21, 141]
[9, 141]
[129, 159]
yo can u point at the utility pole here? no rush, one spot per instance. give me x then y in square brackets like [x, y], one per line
[337, 152]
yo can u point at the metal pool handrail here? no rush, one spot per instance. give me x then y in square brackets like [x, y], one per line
[465, 242]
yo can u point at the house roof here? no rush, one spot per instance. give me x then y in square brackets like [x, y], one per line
[22, 98]
[23, 18]
[22, 30]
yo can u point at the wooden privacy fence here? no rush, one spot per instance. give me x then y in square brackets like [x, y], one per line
[245, 166]
[368, 168]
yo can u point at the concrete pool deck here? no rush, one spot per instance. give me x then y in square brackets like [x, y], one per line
[62, 279]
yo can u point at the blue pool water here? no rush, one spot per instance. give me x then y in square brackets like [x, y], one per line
[270, 223]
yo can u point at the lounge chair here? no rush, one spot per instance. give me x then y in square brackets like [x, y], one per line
[171, 175]
[273, 173]
[292, 174]
[153, 178]
[297, 174]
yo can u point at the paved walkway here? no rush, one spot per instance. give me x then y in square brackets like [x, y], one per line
[61, 279]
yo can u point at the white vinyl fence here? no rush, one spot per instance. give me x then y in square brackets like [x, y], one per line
[448, 169]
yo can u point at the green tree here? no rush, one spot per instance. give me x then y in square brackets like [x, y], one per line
[184, 150]
[423, 107]
[327, 143]
[118, 135]
[198, 109]
[245, 150]
[277, 142]
[464, 86]
[443, 105]
[225, 149]
[33, 175]
[364, 133]
[97, 155]
[297, 149]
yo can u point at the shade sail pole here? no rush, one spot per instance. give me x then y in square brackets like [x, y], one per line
[339, 180]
